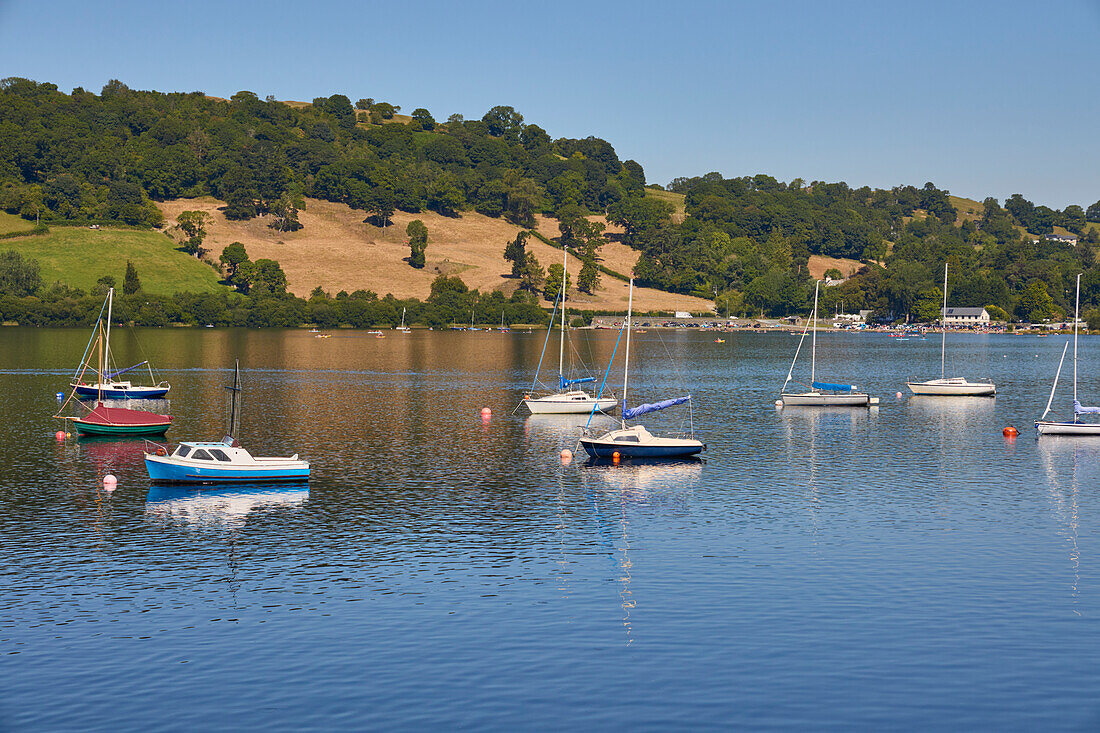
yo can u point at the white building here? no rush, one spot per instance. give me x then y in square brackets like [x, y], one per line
[1070, 239]
[966, 317]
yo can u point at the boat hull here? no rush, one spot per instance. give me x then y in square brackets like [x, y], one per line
[90, 391]
[164, 470]
[823, 399]
[1067, 428]
[673, 448]
[567, 404]
[84, 427]
[953, 387]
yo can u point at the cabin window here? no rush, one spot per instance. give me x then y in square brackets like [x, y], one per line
[201, 455]
[220, 455]
[183, 450]
[627, 439]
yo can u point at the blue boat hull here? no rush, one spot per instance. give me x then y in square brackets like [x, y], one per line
[134, 393]
[597, 449]
[160, 472]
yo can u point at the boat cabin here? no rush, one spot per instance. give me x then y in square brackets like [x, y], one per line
[212, 451]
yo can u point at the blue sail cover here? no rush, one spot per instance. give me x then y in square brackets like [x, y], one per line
[563, 382]
[653, 407]
[1079, 409]
[834, 387]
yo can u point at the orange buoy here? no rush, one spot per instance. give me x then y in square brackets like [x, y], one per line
[1010, 432]
[615, 457]
[60, 435]
[566, 456]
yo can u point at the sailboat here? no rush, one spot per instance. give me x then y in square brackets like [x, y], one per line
[954, 386]
[1076, 427]
[566, 400]
[101, 419]
[821, 394]
[403, 328]
[107, 386]
[503, 328]
[224, 461]
[635, 441]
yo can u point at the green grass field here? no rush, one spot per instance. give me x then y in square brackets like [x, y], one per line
[676, 199]
[78, 257]
[12, 223]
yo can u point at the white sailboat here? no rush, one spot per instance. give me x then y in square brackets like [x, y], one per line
[566, 400]
[951, 386]
[821, 394]
[1074, 427]
[635, 441]
[403, 328]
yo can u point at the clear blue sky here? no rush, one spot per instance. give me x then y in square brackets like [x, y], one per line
[983, 98]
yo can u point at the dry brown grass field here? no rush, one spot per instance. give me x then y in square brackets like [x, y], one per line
[337, 250]
[820, 263]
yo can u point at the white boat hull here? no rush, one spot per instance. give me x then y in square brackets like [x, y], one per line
[954, 386]
[569, 403]
[827, 399]
[1067, 428]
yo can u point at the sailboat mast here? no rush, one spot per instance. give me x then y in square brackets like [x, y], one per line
[813, 350]
[564, 294]
[943, 322]
[626, 361]
[107, 346]
[234, 404]
[1076, 309]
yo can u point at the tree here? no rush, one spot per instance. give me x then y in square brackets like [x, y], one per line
[285, 210]
[997, 313]
[18, 276]
[365, 104]
[193, 226]
[503, 121]
[424, 117]
[418, 242]
[516, 253]
[833, 274]
[929, 305]
[1093, 212]
[1035, 303]
[1073, 218]
[233, 258]
[589, 278]
[532, 274]
[552, 288]
[131, 283]
[267, 278]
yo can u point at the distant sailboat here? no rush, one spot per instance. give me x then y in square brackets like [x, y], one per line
[1074, 427]
[821, 394]
[950, 386]
[107, 387]
[636, 441]
[403, 328]
[566, 400]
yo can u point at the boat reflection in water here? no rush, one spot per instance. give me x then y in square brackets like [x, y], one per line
[221, 506]
[1068, 463]
[640, 478]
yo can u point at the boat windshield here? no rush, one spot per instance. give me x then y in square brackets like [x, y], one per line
[183, 450]
[201, 455]
[221, 456]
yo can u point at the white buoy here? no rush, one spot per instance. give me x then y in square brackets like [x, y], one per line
[566, 456]
[779, 403]
[898, 395]
[109, 481]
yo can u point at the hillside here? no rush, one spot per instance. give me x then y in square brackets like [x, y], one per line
[338, 251]
[78, 257]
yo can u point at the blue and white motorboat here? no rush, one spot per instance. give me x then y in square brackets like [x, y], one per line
[197, 462]
[635, 441]
[221, 462]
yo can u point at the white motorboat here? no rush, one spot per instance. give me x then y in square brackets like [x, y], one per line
[636, 441]
[821, 394]
[568, 399]
[950, 386]
[1075, 426]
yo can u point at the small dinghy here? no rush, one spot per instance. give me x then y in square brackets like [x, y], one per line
[222, 462]
[103, 420]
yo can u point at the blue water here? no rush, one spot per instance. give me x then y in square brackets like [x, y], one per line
[901, 567]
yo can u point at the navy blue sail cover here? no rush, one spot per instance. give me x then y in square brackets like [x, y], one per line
[563, 382]
[653, 407]
[834, 387]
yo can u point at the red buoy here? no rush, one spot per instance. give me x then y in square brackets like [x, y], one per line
[1010, 432]
[60, 435]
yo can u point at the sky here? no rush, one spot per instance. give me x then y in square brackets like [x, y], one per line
[981, 98]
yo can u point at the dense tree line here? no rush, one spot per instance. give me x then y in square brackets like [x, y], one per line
[110, 156]
[746, 242]
[259, 301]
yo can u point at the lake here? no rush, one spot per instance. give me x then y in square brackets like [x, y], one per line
[899, 567]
